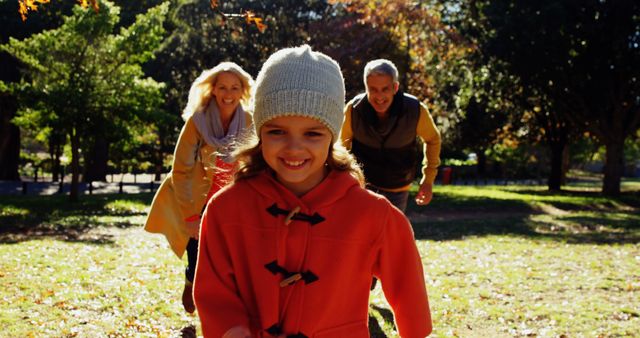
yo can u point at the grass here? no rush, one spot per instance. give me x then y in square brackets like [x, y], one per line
[86, 270]
[499, 261]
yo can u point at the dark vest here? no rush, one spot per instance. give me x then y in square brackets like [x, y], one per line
[387, 150]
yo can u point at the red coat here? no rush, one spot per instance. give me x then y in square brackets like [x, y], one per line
[341, 237]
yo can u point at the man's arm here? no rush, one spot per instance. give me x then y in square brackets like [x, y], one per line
[346, 133]
[430, 136]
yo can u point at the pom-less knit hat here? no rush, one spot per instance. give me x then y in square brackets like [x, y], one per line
[299, 82]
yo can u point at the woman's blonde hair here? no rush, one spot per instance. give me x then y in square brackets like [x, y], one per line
[201, 89]
[250, 161]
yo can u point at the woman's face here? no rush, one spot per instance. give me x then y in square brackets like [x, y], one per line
[296, 148]
[227, 91]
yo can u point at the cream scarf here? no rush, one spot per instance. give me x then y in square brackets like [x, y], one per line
[209, 124]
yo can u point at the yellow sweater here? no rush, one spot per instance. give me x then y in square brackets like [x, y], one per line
[183, 192]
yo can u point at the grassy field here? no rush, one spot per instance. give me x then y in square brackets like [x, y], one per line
[500, 261]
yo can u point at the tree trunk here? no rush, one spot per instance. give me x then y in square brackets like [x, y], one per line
[613, 167]
[55, 152]
[159, 154]
[57, 164]
[158, 172]
[52, 158]
[9, 140]
[565, 164]
[96, 163]
[482, 163]
[75, 165]
[557, 149]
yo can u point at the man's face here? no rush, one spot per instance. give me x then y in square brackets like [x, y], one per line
[380, 92]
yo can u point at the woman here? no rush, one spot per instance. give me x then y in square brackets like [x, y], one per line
[202, 162]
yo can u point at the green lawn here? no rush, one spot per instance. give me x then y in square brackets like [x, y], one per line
[500, 261]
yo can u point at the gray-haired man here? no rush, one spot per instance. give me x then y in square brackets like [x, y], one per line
[381, 128]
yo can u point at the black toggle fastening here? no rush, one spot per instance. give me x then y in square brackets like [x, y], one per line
[275, 330]
[297, 335]
[308, 277]
[312, 219]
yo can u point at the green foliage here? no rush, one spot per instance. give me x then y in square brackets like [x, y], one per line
[576, 62]
[632, 149]
[86, 81]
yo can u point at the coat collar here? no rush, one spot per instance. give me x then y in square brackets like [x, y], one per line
[334, 187]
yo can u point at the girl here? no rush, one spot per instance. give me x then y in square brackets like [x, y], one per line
[289, 249]
[214, 119]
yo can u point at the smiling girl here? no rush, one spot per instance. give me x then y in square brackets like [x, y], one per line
[289, 249]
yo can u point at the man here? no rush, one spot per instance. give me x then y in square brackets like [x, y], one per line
[381, 128]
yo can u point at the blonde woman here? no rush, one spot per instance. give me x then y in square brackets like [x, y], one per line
[202, 161]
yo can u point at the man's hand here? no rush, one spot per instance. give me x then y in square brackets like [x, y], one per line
[425, 193]
[193, 228]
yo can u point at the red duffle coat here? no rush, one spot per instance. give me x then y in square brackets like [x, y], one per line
[310, 277]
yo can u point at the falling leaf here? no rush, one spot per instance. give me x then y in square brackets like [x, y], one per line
[261, 27]
[95, 4]
[22, 9]
[214, 4]
[251, 18]
[24, 6]
[31, 5]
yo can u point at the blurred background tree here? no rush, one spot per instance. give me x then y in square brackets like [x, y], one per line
[578, 65]
[87, 84]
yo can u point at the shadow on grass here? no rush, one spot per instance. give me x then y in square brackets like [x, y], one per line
[592, 200]
[575, 217]
[455, 203]
[24, 218]
[374, 327]
[188, 332]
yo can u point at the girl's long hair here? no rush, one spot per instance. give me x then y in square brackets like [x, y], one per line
[200, 92]
[250, 161]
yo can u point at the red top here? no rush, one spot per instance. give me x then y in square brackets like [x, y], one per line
[223, 175]
[310, 276]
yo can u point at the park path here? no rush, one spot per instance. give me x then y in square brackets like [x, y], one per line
[127, 184]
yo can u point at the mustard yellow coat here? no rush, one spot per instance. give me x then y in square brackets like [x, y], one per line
[184, 191]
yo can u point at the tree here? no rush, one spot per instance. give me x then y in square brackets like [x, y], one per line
[580, 56]
[10, 139]
[434, 64]
[12, 26]
[87, 81]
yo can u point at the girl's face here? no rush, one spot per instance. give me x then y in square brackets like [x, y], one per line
[227, 91]
[296, 148]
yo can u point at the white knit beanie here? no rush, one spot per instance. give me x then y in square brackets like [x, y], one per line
[299, 82]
